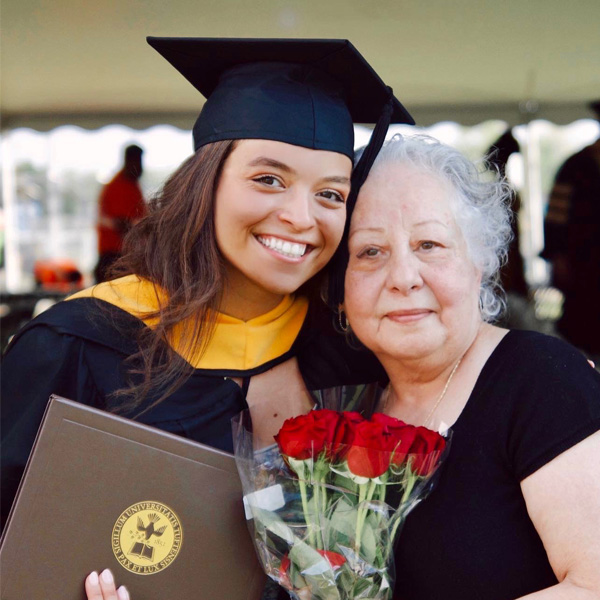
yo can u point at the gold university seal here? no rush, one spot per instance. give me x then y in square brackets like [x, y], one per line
[147, 537]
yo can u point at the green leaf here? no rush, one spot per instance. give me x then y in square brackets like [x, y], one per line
[297, 581]
[346, 580]
[345, 483]
[368, 547]
[315, 569]
[343, 519]
[376, 545]
[270, 521]
[364, 586]
[304, 556]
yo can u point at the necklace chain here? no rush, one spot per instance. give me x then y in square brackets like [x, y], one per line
[440, 397]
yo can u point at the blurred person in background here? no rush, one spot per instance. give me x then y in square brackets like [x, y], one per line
[121, 205]
[572, 245]
[520, 312]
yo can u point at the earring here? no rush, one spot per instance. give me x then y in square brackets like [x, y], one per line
[343, 321]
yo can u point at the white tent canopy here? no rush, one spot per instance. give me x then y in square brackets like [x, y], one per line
[87, 63]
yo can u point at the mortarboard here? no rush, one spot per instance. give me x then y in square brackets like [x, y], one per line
[300, 91]
[304, 92]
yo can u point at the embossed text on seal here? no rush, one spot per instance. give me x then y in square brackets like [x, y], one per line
[147, 537]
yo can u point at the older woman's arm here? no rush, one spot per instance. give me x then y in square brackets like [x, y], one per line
[563, 500]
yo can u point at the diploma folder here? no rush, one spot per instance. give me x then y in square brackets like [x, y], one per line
[164, 513]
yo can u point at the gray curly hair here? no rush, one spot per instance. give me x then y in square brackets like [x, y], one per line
[481, 206]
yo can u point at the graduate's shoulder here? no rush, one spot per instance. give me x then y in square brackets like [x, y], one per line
[132, 294]
[106, 314]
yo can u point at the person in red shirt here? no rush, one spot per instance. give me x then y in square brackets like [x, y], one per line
[121, 204]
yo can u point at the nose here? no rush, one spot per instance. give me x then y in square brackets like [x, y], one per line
[298, 211]
[404, 272]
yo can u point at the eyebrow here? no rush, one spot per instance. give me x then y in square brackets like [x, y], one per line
[426, 222]
[337, 179]
[361, 229]
[265, 161]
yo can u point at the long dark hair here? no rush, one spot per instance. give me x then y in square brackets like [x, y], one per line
[175, 248]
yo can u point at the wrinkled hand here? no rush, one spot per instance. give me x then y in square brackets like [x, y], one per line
[102, 587]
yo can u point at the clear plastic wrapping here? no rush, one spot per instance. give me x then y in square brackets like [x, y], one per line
[326, 503]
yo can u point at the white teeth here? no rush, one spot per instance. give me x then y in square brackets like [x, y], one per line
[289, 249]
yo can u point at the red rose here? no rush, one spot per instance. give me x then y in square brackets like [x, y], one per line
[334, 559]
[391, 423]
[284, 578]
[344, 434]
[369, 454]
[326, 422]
[352, 418]
[404, 437]
[426, 450]
[300, 438]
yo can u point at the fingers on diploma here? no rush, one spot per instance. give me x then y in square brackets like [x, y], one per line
[102, 587]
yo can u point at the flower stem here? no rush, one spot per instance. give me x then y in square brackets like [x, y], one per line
[317, 493]
[307, 515]
[365, 495]
[382, 492]
[410, 484]
[362, 489]
[323, 496]
[395, 529]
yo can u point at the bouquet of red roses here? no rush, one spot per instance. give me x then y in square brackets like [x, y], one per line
[326, 503]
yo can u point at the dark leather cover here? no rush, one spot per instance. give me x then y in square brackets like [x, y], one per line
[163, 513]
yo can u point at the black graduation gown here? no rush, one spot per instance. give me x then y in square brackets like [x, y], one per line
[77, 350]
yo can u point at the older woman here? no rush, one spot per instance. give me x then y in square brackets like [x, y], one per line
[517, 509]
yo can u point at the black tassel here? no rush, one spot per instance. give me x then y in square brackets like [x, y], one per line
[361, 171]
[339, 262]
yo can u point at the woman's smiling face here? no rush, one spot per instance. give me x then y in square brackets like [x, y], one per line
[279, 216]
[411, 288]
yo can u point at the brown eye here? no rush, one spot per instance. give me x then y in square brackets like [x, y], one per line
[268, 180]
[428, 245]
[332, 195]
[369, 253]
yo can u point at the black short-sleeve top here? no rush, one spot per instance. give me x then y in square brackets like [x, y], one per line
[472, 537]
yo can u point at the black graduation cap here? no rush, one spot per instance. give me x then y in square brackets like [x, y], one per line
[304, 92]
[301, 91]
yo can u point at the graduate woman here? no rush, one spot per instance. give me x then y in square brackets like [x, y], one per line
[216, 306]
